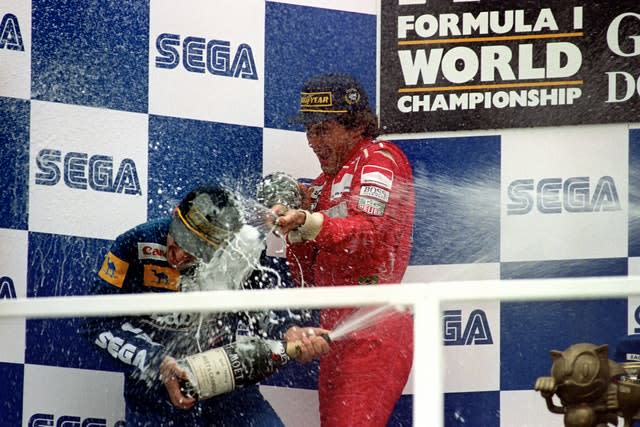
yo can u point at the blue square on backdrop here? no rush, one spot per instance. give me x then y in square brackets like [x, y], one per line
[14, 158]
[60, 342]
[184, 153]
[530, 330]
[91, 52]
[634, 192]
[602, 267]
[301, 42]
[402, 415]
[472, 409]
[457, 187]
[11, 392]
[63, 265]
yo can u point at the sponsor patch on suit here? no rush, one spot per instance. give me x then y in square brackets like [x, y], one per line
[370, 206]
[113, 270]
[156, 276]
[378, 175]
[374, 193]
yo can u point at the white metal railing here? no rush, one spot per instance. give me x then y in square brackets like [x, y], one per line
[424, 298]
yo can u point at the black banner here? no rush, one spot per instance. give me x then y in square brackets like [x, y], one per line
[492, 64]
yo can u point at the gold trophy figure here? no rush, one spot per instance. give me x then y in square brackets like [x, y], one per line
[592, 389]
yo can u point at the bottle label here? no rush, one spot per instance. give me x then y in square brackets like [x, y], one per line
[213, 372]
[253, 360]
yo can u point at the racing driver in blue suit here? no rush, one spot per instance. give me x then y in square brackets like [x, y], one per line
[164, 255]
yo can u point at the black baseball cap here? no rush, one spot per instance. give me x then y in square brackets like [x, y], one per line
[204, 220]
[327, 96]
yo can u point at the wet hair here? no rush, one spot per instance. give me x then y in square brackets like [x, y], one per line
[365, 118]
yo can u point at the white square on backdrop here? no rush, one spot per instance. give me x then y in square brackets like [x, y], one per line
[13, 284]
[288, 151]
[88, 170]
[15, 53]
[51, 392]
[480, 320]
[296, 407]
[451, 272]
[527, 409]
[633, 266]
[206, 60]
[554, 185]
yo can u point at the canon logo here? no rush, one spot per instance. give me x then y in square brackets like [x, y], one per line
[148, 250]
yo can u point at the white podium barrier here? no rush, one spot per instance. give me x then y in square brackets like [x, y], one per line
[425, 300]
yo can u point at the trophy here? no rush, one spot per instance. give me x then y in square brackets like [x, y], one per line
[592, 389]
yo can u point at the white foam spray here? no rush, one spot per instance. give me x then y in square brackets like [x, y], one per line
[230, 264]
[364, 318]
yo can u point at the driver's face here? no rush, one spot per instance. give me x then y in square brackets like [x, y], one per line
[331, 142]
[178, 257]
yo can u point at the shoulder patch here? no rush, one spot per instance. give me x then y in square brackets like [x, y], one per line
[113, 270]
[156, 276]
[378, 175]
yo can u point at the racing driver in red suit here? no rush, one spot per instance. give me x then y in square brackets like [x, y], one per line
[355, 229]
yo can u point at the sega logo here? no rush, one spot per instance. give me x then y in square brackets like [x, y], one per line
[10, 35]
[636, 315]
[552, 195]
[81, 172]
[7, 288]
[49, 420]
[475, 330]
[200, 55]
[121, 350]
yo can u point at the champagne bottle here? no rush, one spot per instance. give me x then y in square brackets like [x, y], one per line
[234, 366]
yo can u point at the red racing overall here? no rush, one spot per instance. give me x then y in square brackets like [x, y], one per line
[365, 239]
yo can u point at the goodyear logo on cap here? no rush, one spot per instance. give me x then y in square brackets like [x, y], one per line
[204, 228]
[316, 99]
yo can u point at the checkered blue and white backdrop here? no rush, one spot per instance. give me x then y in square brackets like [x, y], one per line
[111, 110]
